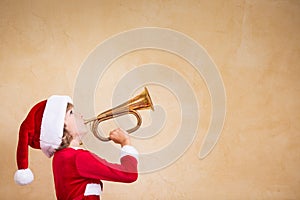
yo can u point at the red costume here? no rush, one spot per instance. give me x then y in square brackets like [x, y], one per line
[78, 173]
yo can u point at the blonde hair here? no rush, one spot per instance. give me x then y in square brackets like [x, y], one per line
[67, 137]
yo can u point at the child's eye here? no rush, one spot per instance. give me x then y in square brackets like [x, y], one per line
[71, 112]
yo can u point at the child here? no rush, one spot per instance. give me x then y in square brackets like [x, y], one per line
[54, 127]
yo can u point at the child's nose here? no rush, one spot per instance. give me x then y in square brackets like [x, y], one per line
[79, 115]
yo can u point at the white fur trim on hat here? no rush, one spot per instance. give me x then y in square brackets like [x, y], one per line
[53, 123]
[23, 176]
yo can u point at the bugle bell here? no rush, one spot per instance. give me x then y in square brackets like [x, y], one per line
[140, 102]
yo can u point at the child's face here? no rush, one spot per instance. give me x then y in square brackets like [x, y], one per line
[75, 124]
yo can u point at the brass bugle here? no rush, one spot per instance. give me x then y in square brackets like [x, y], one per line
[140, 102]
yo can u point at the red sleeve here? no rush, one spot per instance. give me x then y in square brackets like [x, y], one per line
[91, 166]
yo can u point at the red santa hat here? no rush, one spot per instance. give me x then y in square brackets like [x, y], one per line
[41, 129]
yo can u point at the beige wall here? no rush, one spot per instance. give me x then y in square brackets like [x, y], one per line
[255, 45]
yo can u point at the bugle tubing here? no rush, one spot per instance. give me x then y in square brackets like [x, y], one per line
[140, 102]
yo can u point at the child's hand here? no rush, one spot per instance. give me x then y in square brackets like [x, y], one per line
[120, 137]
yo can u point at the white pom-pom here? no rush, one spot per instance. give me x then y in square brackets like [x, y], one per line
[23, 176]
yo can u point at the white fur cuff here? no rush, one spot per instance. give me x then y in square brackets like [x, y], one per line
[129, 150]
[92, 189]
